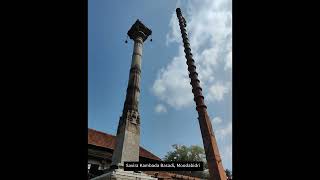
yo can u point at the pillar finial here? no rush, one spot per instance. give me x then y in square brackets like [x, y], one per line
[139, 30]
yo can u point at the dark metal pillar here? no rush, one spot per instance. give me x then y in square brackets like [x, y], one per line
[209, 141]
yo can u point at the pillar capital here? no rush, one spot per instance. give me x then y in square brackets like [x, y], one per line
[139, 30]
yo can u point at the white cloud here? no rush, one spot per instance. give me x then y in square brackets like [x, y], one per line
[160, 108]
[225, 131]
[226, 155]
[216, 120]
[217, 91]
[174, 35]
[229, 151]
[209, 29]
[228, 61]
[172, 85]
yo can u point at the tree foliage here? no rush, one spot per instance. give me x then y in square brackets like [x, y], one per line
[229, 174]
[191, 153]
[184, 153]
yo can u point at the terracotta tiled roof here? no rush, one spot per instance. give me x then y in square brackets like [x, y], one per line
[101, 139]
[105, 140]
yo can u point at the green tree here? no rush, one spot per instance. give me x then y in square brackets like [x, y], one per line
[229, 174]
[192, 153]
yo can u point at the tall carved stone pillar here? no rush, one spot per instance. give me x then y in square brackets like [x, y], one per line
[128, 132]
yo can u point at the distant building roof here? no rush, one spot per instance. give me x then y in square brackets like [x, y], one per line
[101, 139]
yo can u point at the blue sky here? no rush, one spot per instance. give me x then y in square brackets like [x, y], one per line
[167, 111]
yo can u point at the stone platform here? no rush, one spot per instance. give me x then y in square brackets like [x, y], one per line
[124, 175]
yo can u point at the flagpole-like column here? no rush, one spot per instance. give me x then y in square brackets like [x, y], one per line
[216, 169]
[128, 132]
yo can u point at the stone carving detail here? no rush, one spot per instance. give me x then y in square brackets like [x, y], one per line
[133, 116]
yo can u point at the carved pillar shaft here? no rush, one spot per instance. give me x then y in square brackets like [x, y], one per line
[210, 145]
[133, 90]
[128, 132]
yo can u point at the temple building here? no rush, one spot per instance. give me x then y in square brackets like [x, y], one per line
[101, 147]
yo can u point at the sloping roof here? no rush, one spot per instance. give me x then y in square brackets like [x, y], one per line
[105, 140]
